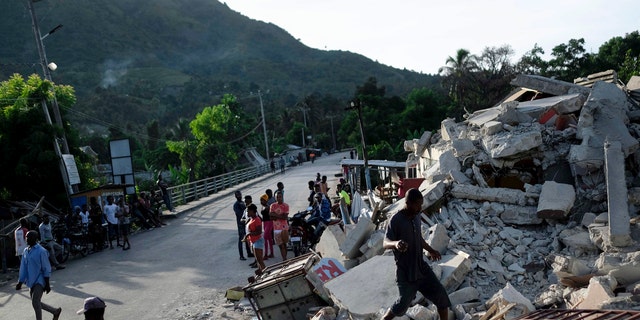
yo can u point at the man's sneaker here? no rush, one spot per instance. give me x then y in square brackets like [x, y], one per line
[56, 314]
[243, 258]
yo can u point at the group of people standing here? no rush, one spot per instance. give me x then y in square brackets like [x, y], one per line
[258, 232]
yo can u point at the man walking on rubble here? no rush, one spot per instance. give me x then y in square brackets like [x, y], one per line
[413, 274]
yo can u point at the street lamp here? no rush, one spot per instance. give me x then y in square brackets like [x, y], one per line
[46, 68]
[356, 105]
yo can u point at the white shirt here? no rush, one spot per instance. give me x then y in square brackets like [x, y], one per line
[21, 243]
[85, 217]
[110, 211]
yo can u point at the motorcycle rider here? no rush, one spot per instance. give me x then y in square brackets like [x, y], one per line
[320, 212]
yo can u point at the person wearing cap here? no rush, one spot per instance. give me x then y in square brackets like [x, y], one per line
[267, 225]
[93, 309]
[35, 271]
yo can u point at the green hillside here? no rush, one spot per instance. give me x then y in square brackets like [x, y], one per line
[133, 61]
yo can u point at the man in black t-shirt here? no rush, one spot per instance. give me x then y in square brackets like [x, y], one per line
[413, 274]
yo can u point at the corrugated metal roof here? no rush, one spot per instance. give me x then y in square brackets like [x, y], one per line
[581, 315]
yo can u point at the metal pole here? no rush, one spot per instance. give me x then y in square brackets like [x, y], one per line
[333, 136]
[264, 126]
[56, 110]
[358, 106]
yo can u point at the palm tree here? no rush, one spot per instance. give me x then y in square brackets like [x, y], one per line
[457, 72]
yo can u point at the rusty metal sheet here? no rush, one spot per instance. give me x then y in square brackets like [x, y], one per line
[557, 314]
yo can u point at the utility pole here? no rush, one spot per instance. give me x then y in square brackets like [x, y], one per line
[264, 126]
[358, 107]
[333, 136]
[54, 102]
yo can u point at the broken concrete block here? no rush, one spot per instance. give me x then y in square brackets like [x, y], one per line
[579, 242]
[603, 117]
[420, 312]
[617, 197]
[463, 147]
[505, 144]
[588, 218]
[454, 270]
[447, 162]
[356, 237]
[563, 104]
[449, 129]
[547, 85]
[431, 192]
[556, 200]
[624, 267]
[504, 195]
[520, 215]
[509, 295]
[491, 127]
[463, 295]
[438, 238]
[564, 266]
[599, 290]
[383, 270]
[329, 244]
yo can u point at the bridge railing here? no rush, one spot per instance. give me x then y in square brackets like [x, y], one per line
[195, 190]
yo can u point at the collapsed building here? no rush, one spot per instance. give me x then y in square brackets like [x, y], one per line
[533, 204]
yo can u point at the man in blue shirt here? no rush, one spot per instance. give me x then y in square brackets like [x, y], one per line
[35, 271]
[321, 213]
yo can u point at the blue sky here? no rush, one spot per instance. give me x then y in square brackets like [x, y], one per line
[419, 35]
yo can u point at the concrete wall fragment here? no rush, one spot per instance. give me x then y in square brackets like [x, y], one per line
[617, 197]
[556, 200]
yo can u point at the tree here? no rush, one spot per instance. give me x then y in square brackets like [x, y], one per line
[569, 60]
[27, 156]
[532, 63]
[456, 72]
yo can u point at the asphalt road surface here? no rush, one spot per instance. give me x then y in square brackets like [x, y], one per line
[180, 271]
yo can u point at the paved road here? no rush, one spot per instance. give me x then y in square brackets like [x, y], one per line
[193, 258]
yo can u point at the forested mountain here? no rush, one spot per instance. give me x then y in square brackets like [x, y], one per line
[132, 61]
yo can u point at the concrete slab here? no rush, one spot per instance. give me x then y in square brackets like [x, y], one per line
[356, 237]
[376, 287]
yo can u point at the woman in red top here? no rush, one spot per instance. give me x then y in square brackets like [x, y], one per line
[254, 235]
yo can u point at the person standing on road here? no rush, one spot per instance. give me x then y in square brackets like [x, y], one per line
[281, 162]
[254, 235]
[279, 212]
[46, 238]
[413, 274]
[280, 188]
[238, 210]
[267, 226]
[166, 194]
[35, 271]
[20, 237]
[111, 215]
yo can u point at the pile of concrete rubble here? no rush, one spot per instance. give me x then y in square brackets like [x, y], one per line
[533, 204]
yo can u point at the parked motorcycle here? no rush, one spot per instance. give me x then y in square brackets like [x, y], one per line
[302, 235]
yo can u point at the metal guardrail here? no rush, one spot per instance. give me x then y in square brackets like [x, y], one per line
[195, 190]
